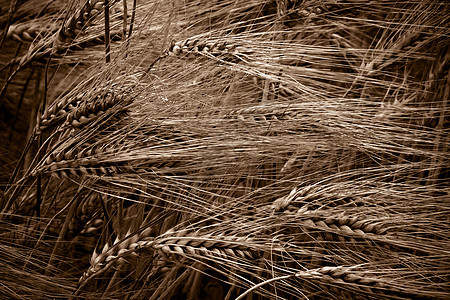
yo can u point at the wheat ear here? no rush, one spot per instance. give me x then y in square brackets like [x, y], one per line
[67, 33]
[342, 223]
[83, 221]
[182, 243]
[345, 277]
[30, 31]
[80, 109]
[57, 112]
[196, 46]
[79, 162]
[77, 22]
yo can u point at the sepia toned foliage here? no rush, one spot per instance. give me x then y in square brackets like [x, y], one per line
[224, 149]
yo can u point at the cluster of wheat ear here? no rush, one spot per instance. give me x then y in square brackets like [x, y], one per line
[224, 149]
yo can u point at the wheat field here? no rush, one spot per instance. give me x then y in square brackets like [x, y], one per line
[224, 149]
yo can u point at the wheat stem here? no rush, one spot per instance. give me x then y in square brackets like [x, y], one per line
[247, 292]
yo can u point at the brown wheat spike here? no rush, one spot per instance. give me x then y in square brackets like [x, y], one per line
[80, 109]
[87, 111]
[216, 49]
[38, 28]
[79, 161]
[79, 168]
[70, 29]
[264, 115]
[341, 223]
[182, 243]
[74, 25]
[330, 221]
[57, 112]
[313, 197]
[64, 37]
[77, 22]
[340, 280]
[30, 31]
[74, 28]
[84, 220]
[94, 225]
[345, 276]
[87, 159]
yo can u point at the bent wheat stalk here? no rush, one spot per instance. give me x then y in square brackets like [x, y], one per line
[346, 277]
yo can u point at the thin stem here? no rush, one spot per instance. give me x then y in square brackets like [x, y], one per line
[125, 20]
[261, 284]
[39, 178]
[133, 15]
[107, 33]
